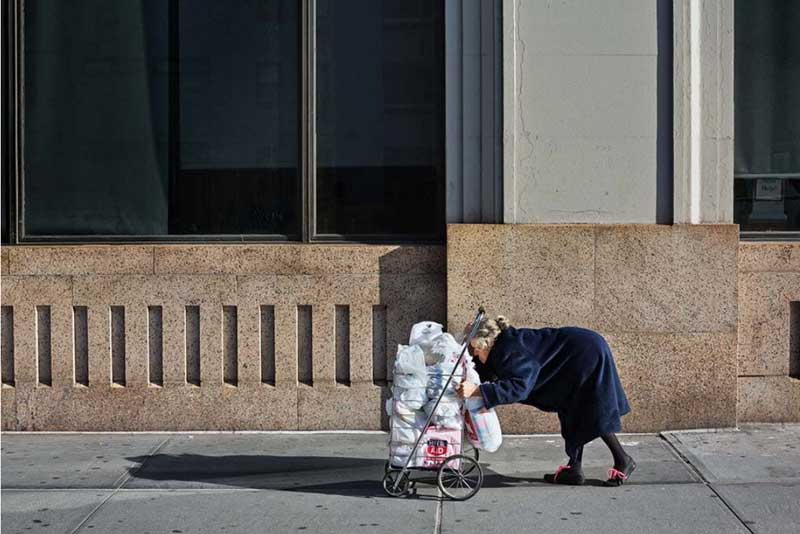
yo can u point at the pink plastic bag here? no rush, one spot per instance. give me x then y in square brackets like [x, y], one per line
[436, 445]
[482, 426]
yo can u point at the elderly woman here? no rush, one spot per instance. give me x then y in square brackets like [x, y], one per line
[569, 371]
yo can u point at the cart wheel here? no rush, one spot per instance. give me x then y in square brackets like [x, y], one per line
[403, 486]
[470, 450]
[460, 477]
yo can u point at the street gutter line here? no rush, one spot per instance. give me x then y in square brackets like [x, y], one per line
[683, 458]
[437, 519]
[125, 478]
[188, 432]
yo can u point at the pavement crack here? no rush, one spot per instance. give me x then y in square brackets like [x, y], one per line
[437, 518]
[680, 456]
[119, 483]
[132, 471]
[721, 498]
[91, 514]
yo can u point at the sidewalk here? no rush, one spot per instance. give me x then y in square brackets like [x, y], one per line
[698, 482]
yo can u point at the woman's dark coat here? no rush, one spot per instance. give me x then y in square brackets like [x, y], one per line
[569, 371]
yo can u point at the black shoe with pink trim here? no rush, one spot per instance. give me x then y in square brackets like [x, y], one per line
[567, 475]
[619, 474]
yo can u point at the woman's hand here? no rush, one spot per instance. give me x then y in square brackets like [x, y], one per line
[468, 389]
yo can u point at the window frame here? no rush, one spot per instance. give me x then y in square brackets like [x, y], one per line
[759, 235]
[14, 164]
[767, 235]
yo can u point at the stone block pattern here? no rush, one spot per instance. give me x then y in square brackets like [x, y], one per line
[155, 285]
[769, 332]
[665, 298]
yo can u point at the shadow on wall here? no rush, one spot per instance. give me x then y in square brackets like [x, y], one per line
[412, 288]
[328, 475]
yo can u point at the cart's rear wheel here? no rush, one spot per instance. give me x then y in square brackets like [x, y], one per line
[470, 451]
[391, 477]
[460, 477]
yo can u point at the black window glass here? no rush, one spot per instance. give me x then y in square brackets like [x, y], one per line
[767, 115]
[239, 139]
[96, 127]
[380, 114]
[153, 117]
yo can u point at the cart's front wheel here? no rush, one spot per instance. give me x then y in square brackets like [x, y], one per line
[396, 483]
[460, 477]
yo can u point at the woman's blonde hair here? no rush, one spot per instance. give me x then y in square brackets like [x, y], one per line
[488, 330]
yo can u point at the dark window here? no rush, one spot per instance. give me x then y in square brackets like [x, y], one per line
[238, 114]
[767, 115]
[167, 118]
[380, 110]
[149, 117]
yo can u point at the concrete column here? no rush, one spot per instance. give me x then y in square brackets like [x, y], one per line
[703, 85]
[473, 111]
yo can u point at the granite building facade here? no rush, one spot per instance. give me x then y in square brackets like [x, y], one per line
[227, 215]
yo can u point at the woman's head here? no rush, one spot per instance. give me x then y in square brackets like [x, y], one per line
[485, 336]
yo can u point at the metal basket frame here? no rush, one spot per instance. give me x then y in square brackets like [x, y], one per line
[403, 472]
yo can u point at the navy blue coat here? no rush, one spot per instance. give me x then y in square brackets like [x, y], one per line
[569, 371]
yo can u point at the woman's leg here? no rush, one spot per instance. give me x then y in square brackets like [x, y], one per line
[577, 460]
[619, 454]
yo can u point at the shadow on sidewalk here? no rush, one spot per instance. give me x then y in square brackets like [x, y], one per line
[329, 475]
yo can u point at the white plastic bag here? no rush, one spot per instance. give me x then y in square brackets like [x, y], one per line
[448, 413]
[473, 376]
[398, 454]
[408, 400]
[438, 375]
[447, 407]
[406, 435]
[409, 367]
[482, 425]
[443, 347]
[424, 332]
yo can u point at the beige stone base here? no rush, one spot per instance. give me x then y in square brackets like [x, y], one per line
[667, 298]
[663, 296]
[257, 407]
[315, 293]
[769, 285]
[769, 399]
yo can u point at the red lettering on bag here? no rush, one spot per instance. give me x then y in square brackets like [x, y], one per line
[436, 447]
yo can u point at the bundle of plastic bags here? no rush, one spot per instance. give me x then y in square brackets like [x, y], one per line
[422, 370]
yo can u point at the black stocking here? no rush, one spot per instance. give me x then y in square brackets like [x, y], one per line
[577, 459]
[613, 444]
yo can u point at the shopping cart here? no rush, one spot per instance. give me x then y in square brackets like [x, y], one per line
[459, 476]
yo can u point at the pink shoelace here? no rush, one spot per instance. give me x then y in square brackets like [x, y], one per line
[558, 471]
[614, 474]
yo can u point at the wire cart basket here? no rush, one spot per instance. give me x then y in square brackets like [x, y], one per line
[459, 476]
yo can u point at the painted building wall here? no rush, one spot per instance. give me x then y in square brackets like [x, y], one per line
[580, 98]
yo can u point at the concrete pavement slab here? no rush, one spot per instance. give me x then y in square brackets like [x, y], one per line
[71, 460]
[532, 457]
[769, 453]
[52, 511]
[297, 461]
[251, 511]
[653, 509]
[765, 508]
